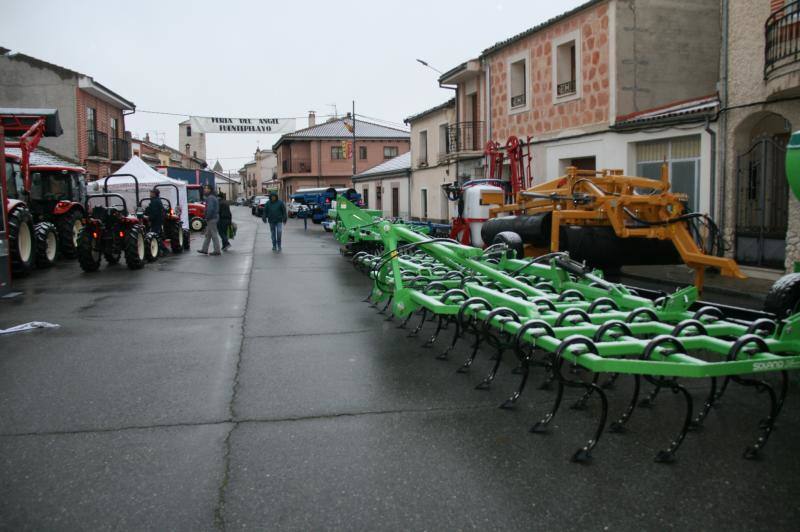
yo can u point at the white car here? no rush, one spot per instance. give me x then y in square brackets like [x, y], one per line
[294, 208]
[328, 225]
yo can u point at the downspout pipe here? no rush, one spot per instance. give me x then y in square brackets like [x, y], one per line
[713, 177]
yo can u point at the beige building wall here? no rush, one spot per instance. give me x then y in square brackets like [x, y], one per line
[431, 170]
[741, 127]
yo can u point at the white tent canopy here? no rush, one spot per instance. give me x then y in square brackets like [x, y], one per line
[147, 178]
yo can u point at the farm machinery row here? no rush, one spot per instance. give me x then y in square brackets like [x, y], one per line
[50, 215]
[562, 319]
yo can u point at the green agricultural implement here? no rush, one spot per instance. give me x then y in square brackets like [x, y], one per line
[553, 313]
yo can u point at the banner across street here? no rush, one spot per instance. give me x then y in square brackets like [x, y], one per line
[220, 124]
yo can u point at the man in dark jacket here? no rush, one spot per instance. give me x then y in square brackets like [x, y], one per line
[155, 213]
[225, 218]
[212, 218]
[275, 214]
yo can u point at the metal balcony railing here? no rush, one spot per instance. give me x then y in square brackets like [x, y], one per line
[120, 149]
[782, 32]
[465, 136]
[296, 166]
[566, 88]
[97, 143]
[518, 100]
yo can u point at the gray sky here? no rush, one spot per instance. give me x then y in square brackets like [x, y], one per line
[247, 59]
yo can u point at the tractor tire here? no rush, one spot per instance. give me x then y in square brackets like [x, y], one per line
[68, 227]
[47, 244]
[89, 250]
[186, 239]
[21, 241]
[197, 224]
[783, 298]
[135, 249]
[152, 248]
[174, 232]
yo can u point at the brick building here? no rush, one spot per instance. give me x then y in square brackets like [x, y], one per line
[315, 156]
[564, 85]
[92, 115]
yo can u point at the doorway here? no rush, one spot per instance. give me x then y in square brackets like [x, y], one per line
[395, 202]
[762, 203]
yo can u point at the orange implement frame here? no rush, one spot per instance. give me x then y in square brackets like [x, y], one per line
[632, 206]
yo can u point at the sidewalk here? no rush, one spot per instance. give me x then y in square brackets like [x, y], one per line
[679, 275]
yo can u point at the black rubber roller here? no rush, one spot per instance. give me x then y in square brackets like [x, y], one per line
[533, 229]
[512, 240]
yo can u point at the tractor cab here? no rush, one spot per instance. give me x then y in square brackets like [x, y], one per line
[54, 188]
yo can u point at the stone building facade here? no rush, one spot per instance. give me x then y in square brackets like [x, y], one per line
[759, 91]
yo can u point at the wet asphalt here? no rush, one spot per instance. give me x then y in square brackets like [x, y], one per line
[257, 391]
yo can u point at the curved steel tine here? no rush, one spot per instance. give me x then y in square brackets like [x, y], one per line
[388, 303]
[444, 354]
[766, 425]
[467, 363]
[487, 381]
[584, 454]
[580, 404]
[668, 455]
[526, 369]
[697, 422]
[619, 425]
[430, 341]
[610, 382]
[405, 321]
[541, 425]
[650, 400]
[421, 323]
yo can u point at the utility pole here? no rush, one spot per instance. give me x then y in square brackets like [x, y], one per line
[354, 137]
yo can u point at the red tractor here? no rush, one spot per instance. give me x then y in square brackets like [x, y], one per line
[32, 238]
[111, 231]
[197, 208]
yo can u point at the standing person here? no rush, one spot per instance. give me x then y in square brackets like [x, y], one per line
[275, 214]
[155, 213]
[212, 218]
[224, 223]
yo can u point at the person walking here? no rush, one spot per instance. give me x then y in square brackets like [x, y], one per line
[225, 219]
[155, 214]
[212, 218]
[275, 214]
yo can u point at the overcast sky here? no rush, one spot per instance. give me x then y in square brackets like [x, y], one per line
[262, 58]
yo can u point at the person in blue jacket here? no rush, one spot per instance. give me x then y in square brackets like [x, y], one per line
[212, 218]
[275, 214]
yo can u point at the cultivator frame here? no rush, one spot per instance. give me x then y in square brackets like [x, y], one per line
[552, 312]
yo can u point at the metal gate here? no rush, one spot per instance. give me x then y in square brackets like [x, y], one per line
[762, 204]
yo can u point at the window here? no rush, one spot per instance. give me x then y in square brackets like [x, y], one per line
[365, 196]
[423, 148]
[567, 68]
[423, 203]
[188, 131]
[389, 152]
[188, 148]
[362, 152]
[518, 84]
[91, 119]
[114, 128]
[682, 155]
[337, 152]
[378, 197]
[443, 140]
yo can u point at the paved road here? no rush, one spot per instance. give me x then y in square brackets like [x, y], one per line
[255, 390]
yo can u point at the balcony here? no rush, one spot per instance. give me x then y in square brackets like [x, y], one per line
[782, 46]
[97, 144]
[120, 150]
[465, 137]
[565, 89]
[296, 166]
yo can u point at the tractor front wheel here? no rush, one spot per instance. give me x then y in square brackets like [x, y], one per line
[89, 249]
[135, 249]
[69, 226]
[186, 239]
[783, 298]
[47, 244]
[197, 224]
[174, 232]
[151, 247]
[21, 241]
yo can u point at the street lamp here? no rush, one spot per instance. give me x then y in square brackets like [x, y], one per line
[425, 63]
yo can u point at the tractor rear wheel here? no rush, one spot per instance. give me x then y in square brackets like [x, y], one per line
[151, 247]
[174, 232]
[135, 250]
[47, 244]
[186, 239]
[21, 241]
[68, 226]
[89, 250]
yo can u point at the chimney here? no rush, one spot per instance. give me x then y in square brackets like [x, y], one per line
[147, 137]
[312, 118]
